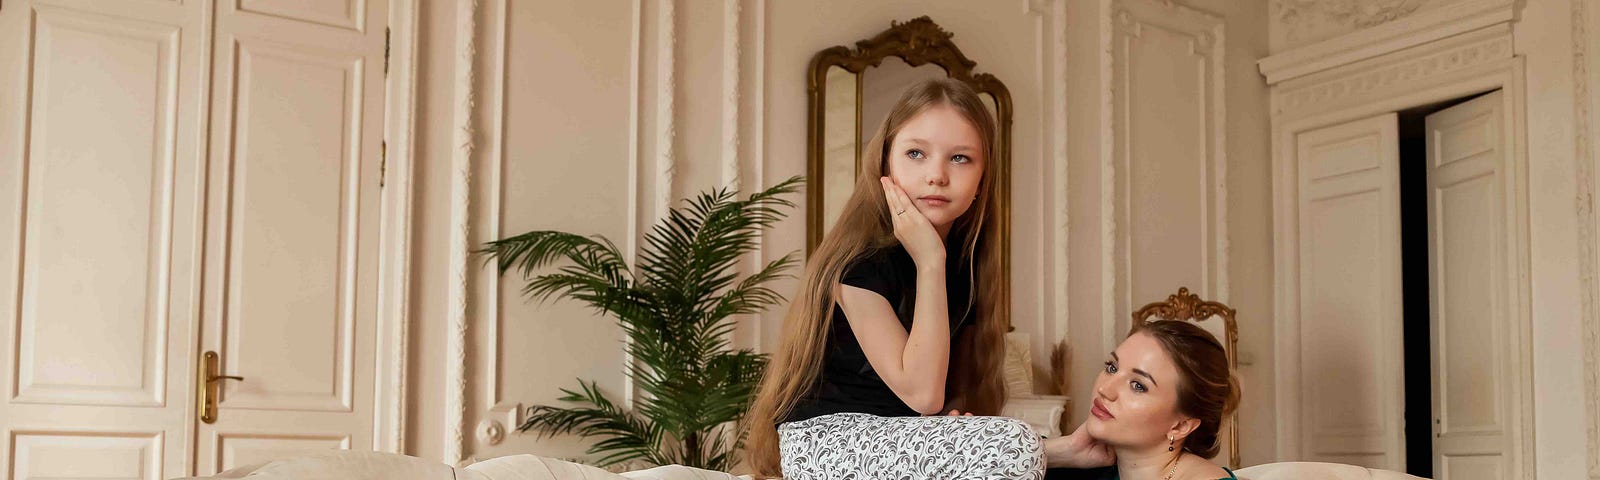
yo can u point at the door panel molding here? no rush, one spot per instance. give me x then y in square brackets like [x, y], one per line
[261, 71]
[61, 454]
[57, 263]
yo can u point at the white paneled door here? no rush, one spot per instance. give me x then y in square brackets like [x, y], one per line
[297, 116]
[1350, 362]
[99, 236]
[1472, 344]
[179, 178]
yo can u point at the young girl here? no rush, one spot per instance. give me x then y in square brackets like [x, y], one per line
[899, 317]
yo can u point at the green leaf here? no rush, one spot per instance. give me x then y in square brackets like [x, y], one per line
[676, 306]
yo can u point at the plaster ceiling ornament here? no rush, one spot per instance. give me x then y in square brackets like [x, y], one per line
[1322, 19]
[1357, 13]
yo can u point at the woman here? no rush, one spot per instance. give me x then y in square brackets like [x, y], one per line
[1160, 401]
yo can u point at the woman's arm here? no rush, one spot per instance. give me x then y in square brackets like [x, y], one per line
[913, 364]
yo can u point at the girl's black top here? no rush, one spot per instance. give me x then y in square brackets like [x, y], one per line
[847, 382]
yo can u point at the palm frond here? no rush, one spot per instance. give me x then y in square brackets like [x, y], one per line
[677, 307]
[627, 437]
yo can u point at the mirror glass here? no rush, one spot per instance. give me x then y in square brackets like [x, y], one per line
[840, 143]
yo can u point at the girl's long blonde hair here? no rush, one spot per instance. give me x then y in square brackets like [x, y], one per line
[975, 383]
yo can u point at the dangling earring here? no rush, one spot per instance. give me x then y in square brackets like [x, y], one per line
[1170, 442]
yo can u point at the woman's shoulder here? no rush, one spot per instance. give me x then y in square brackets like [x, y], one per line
[1210, 471]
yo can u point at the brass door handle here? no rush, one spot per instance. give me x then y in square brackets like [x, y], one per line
[208, 389]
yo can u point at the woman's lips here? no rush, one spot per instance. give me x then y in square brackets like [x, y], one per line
[1100, 412]
[934, 200]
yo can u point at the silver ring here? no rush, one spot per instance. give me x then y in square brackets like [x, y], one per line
[899, 213]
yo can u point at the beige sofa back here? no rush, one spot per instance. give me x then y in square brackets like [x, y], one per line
[346, 465]
[1317, 471]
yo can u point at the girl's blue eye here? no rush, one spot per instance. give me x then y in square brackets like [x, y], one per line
[1138, 387]
[961, 159]
[1110, 368]
[914, 154]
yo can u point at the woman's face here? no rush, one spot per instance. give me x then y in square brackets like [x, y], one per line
[937, 158]
[1136, 395]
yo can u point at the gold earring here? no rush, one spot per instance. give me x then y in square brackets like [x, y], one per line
[1171, 442]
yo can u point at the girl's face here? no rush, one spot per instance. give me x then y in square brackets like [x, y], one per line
[937, 158]
[1136, 396]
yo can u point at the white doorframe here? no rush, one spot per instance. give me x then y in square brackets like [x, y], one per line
[1406, 75]
[394, 269]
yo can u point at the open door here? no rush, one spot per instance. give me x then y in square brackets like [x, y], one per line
[1472, 346]
[1351, 376]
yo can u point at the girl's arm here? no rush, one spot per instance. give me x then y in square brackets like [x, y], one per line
[914, 365]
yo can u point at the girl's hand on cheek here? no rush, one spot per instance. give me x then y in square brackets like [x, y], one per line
[913, 229]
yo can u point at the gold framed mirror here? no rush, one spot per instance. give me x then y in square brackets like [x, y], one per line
[851, 91]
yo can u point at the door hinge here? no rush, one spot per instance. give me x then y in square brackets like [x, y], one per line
[385, 51]
[383, 162]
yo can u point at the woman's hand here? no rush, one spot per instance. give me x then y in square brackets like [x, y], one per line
[1078, 450]
[913, 229]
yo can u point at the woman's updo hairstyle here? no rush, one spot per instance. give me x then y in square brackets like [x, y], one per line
[1207, 389]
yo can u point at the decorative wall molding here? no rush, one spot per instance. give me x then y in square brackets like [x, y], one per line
[758, 151]
[1392, 36]
[731, 11]
[394, 300]
[1584, 171]
[1124, 21]
[666, 105]
[732, 83]
[1108, 181]
[464, 143]
[485, 222]
[1381, 77]
[1058, 218]
[1037, 7]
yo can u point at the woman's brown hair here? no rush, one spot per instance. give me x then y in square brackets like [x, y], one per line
[975, 383]
[1207, 389]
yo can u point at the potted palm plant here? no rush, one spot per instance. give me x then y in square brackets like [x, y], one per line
[677, 308]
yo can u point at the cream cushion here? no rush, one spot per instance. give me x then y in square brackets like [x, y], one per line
[347, 465]
[1316, 471]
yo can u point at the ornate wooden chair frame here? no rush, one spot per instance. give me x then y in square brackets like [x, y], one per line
[1185, 306]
